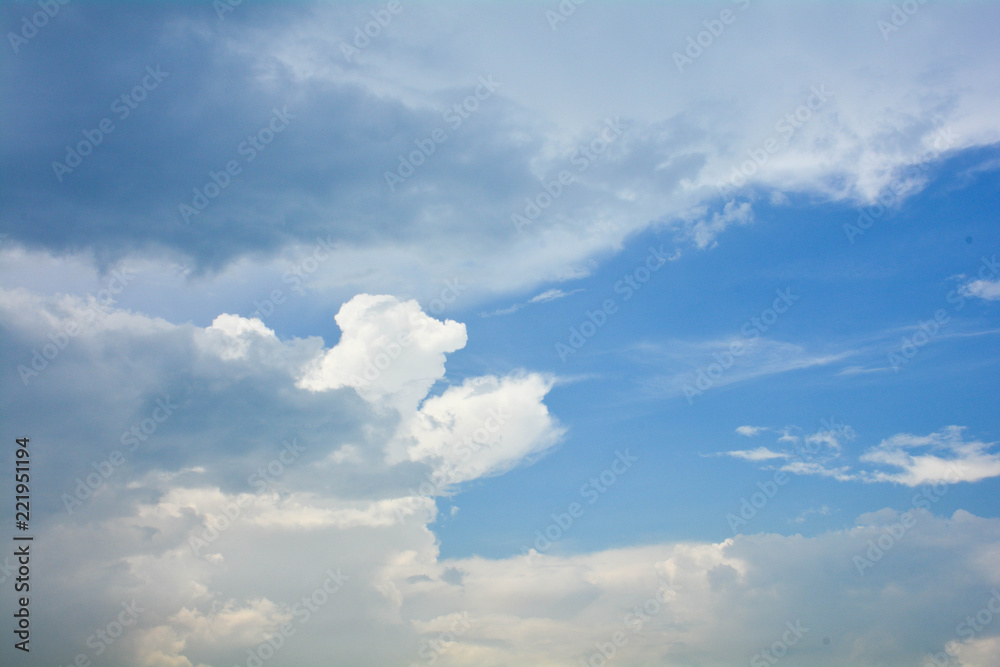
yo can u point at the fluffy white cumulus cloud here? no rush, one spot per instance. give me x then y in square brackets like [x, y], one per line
[721, 604]
[214, 456]
[389, 351]
[209, 490]
[484, 426]
[231, 335]
[257, 517]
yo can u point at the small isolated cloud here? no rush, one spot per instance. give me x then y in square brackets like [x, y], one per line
[704, 231]
[861, 370]
[750, 431]
[823, 510]
[552, 295]
[948, 459]
[983, 289]
[504, 311]
[544, 297]
[829, 438]
[759, 454]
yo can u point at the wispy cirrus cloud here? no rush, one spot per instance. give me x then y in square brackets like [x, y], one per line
[716, 366]
[940, 457]
[544, 297]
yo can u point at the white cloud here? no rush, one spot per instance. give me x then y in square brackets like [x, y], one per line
[679, 602]
[750, 431]
[233, 333]
[210, 499]
[821, 469]
[552, 295]
[949, 459]
[759, 454]
[484, 426]
[705, 230]
[684, 141]
[983, 289]
[232, 624]
[544, 297]
[389, 351]
[720, 603]
[342, 505]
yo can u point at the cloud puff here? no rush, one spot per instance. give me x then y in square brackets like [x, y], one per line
[484, 426]
[948, 459]
[983, 289]
[389, 351]
[705, 230]
[759, 454]
[552, 295]
[233, 335]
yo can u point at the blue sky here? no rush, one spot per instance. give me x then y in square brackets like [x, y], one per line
[461, 340]
[853, 300]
